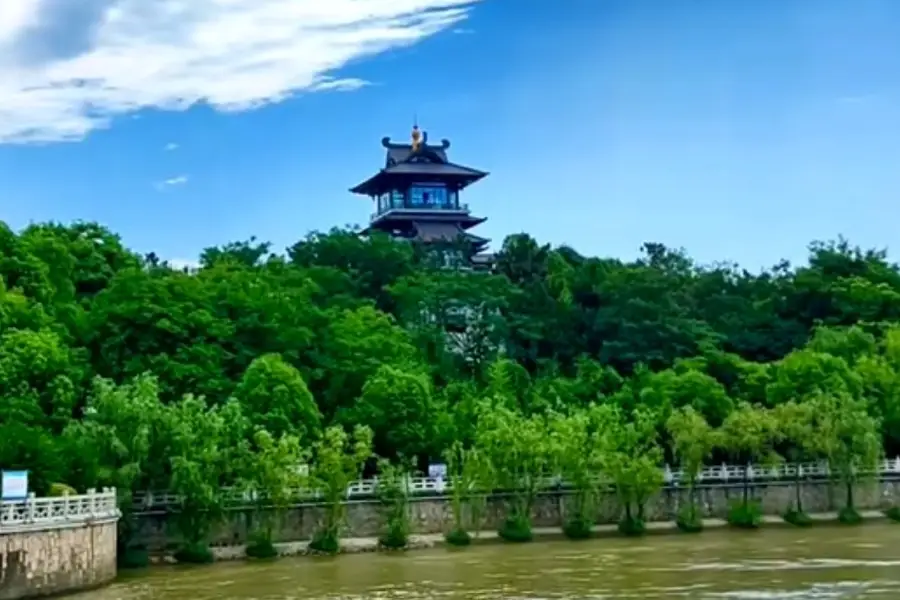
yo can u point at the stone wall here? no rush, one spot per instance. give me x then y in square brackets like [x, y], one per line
[433, 515]
[45, 561]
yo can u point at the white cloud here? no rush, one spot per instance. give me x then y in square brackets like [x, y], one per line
[172, 182]
[15, 17]
[62, 77]
[170, 146]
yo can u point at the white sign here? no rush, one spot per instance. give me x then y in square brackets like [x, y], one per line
[437, 470]
[15, 485]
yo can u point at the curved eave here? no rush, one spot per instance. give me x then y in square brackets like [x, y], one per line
[397, 217]
[381, 181]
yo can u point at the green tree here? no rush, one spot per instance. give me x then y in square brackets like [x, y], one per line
[469, 476]
[693, 441]
[848, 437]
[749, 436]
[400, 409]
[355, 345]
[520, 455]
[392, 492]
[116, 444]
[208, 446]
[581, 445]
[797, 428]
[634, 464]
[274, 396]
[273, 477]
[337, 462]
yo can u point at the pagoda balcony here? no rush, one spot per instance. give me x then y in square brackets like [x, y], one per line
[404, 211]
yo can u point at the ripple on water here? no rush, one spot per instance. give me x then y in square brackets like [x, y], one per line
[841, 564]
[778, 565]
[818, 591]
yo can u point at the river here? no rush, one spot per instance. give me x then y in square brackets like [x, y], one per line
[819, 563]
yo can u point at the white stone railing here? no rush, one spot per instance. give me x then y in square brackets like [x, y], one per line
[36, 512]
[421, 486]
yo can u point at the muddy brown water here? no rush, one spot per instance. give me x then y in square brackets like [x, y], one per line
[820, 563]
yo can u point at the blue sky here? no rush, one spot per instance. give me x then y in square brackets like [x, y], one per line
[738, 130]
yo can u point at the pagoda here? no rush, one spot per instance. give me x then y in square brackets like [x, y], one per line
[416, 198]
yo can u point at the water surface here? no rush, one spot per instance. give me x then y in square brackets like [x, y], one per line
[820, 563]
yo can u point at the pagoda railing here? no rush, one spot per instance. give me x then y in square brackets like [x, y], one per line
[436, 486]
[462, 208]
[43, 513]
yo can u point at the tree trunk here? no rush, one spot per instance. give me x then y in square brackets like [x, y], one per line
[692, 499]
[746, 491]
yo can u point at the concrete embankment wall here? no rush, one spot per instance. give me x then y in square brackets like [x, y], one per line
[51, 560]
[50, 546]
[433, 514]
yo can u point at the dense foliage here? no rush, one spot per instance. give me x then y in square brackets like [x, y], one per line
[117, 369]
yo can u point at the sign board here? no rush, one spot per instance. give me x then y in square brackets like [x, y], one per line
[438, 470]
[15, 485]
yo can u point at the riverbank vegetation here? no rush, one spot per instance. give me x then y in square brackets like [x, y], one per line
[120, 369]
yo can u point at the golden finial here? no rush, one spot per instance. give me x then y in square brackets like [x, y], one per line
[416, 138]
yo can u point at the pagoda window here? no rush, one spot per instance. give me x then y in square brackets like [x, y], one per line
[429, 195]
[397, 199]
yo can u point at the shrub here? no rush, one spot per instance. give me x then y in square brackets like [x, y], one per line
[516, 528]
[797, 518]
[745, 515]
[396, 537]
[632, 526]
[893, 513]
[58, 490]
[689, 521]
[849, 516]
[194, 553]
[325, 541]
[458, 537]
[261, 546]
[578, 528]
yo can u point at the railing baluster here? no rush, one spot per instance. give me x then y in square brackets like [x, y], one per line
[35, 511]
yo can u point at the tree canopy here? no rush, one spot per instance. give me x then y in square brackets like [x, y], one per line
[120, 369]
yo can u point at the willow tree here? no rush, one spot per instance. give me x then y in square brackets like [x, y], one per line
[518, 451]
[796, 421]
[850, 440]
[207, 446]
[470, 478]
[581, 444]
[633, 461]
[273, 478]
[392, 492]
[693, 441]
[337, 462]
[749, 435]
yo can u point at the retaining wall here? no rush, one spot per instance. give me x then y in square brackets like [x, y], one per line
[49, 546]
[433, 514]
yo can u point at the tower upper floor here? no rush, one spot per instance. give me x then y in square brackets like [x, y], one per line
[418, 176]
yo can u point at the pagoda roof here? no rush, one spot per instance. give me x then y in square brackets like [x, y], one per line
[398, 153]
[412, 216]
[437, 231]
[444, 232]
[405, 161]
